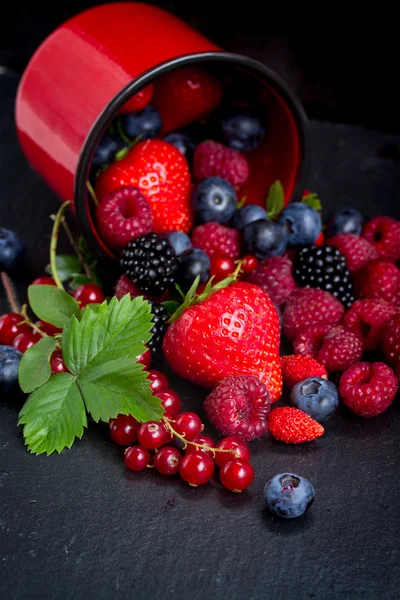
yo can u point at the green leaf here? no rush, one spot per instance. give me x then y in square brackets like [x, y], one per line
[275, 199]
[171, 306]
[313, 201]
[53, 416]
[79, 280]
[52, 305]
[34, 368]
[68, 266]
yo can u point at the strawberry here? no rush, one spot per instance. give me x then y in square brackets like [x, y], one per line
[186, 95]
[161, 173]
[296, 368]
[293, 426]
[235, 331]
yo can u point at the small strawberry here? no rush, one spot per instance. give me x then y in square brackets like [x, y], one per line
[161, 173]
[217, 240]
[212, 159]
[293, 426]
[234, 331]
[296, 368]
[186, 95]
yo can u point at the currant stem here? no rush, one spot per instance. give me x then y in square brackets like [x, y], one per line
[53, 245]
[10, 293]
[92, 193]
[201, 446]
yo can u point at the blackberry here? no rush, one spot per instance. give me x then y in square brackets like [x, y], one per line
[160, 318]
[324, 267]
[150, 262]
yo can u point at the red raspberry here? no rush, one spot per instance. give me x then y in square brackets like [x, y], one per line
[212, 159]
[397, 371]
[391, 340]
[126, 286]
[239, 406]
[357, 250]
[368, 389]
[296, 368]
[122, 216]
[274, 276]
[293, 426]
[334, 347]
[308, 342]
[307, 306]
[384, 234]
[379, 279]
[367, 318]
[217, 240]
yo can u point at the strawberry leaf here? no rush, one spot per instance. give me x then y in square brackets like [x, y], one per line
[52, 305]
[313, 201]
[34, 368]
[171, 306]
[275, 200]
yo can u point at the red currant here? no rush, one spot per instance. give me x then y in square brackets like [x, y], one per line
[23, 341]
[57, 363]
[145, 358]
[196, 468]
[48, 328]
[137, 458]
[204, 440]
[189, 425]
[171, 402]
[237, 475]
[159, 383]
[167, 460]
[44, 281]
[88, 293]
[152, 435]
[11, 325]
[235, 443]
[221, 267]
[124, 430]
[249, 264]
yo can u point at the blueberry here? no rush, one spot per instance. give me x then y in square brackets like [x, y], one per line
[108, 147]
[183, 143]
[315, 396]
[288, 495]
[248, 214]
[302, 223]
[347, 220]
[178, 240]
[12, 250]
[190, 265]
[146, 123]
[265, 239]
[242, 130]
[9, 362]
[214, 199]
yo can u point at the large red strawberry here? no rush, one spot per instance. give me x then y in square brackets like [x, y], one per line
[235, 331]
[186, 95]
[162, 174]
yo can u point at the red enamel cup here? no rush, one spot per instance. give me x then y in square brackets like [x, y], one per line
[86, 70]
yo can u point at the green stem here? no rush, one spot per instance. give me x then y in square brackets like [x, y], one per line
[92, 193]
[53, 245]
[11, 296]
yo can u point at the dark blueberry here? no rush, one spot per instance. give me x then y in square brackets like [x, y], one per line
[347, 220]
[178, 240]
[145, 124]
[248, 214]
[183, 143]
[214, 199]
[265, 239]
[109, 146]
[9, 363]
[190, 265]
[315, 396]
[302, 223]
[288, 495]
[12, 250]
[242, 130]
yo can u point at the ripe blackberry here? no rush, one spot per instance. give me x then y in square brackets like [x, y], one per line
[324, 267]
[160, 318]
[150, 262]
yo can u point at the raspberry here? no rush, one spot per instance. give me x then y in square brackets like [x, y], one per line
[307, 306]
[239, 406]
[126, 286]
[397, 371]
[217, 240]
[308, 342]
[357, 250]
[274, 276]
[212, 159]
[379, 279]
[334, 347]
[293, 426]
[296, 368]
[123, 216]
[391, 340]
[384, 234]
[367, 318]
[368, 389]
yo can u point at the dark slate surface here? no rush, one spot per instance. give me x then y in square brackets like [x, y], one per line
[79, 525]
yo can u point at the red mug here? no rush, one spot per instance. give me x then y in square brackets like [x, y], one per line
[86, 70]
